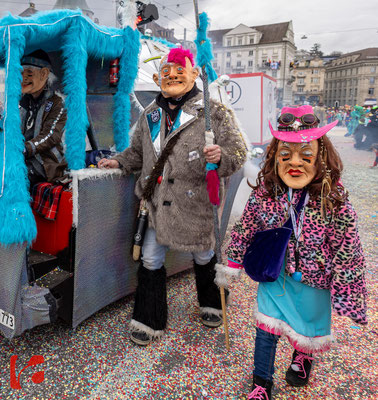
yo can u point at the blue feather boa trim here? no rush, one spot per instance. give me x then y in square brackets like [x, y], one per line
[78, 38]
[204, 48]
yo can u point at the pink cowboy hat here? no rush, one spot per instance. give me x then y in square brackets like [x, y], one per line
[296, 131]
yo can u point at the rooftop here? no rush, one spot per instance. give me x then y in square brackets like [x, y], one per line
[271, 33]
[355, 56]
[29, 11]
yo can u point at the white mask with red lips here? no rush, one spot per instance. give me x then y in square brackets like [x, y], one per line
[297, 163]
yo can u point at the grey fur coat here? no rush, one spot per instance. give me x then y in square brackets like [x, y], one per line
[180, 210]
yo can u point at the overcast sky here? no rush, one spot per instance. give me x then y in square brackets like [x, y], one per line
[338, 25]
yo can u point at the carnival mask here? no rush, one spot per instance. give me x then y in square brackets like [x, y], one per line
[297, 163]
[34, 80]
[174, 79]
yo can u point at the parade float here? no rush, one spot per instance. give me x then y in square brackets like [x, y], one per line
[79, 263]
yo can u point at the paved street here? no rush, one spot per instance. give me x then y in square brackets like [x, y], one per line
[97, 361]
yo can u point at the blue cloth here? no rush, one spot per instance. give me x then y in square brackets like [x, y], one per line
[154, 122]
[305, 309]
[265, 354]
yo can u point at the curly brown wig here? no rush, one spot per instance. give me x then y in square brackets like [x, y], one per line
[328, 167]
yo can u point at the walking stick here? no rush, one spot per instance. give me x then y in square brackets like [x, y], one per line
[204, 57]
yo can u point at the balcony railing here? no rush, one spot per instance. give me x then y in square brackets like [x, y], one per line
[268, 67]
[238, 69]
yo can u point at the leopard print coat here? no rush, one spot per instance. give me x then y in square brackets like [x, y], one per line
[331, 255]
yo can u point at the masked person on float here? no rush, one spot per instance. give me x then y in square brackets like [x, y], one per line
[42, 120]
[168, 147]
[323, 263]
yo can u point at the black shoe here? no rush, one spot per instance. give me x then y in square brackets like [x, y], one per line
[261, 389]
[299, 372]
[140, 338]
[211, 320]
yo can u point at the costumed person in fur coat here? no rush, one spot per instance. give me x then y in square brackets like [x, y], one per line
[43, 118]
[323, 263]
[168, 148]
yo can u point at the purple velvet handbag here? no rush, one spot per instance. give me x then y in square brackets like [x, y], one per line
[264, 257]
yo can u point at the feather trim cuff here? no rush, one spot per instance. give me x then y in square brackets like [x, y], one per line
[300, 342]
[138, 326]
[223, 274]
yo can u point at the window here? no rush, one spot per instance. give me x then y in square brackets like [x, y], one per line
[372, 70]
[251, 40]
[228, 54]
[250, 63]
[274, 73]
[300, 80]
[315, 71]
[228, 64]
[371, 90]
[238, 63]
[240, 41]
[228, 42]
[372, 81]
[300, 89]
[314, 80]
[250, 53]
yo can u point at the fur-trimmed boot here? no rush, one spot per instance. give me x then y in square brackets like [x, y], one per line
[208, 294]
[150, 308]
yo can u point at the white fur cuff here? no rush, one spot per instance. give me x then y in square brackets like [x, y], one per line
[138, 326]
[223, 275]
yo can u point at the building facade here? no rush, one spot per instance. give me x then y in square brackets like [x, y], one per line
[308, 85]
[265, 48]
[158, 31]
[352, 79]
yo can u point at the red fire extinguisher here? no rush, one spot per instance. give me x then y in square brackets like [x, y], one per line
[114, 72]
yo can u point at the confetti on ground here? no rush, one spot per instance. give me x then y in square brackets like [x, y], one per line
[98, 362]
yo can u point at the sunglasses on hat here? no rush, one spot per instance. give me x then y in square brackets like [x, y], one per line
[306, 119]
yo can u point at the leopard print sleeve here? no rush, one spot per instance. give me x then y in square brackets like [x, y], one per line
[244, 230]
[348, 288]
